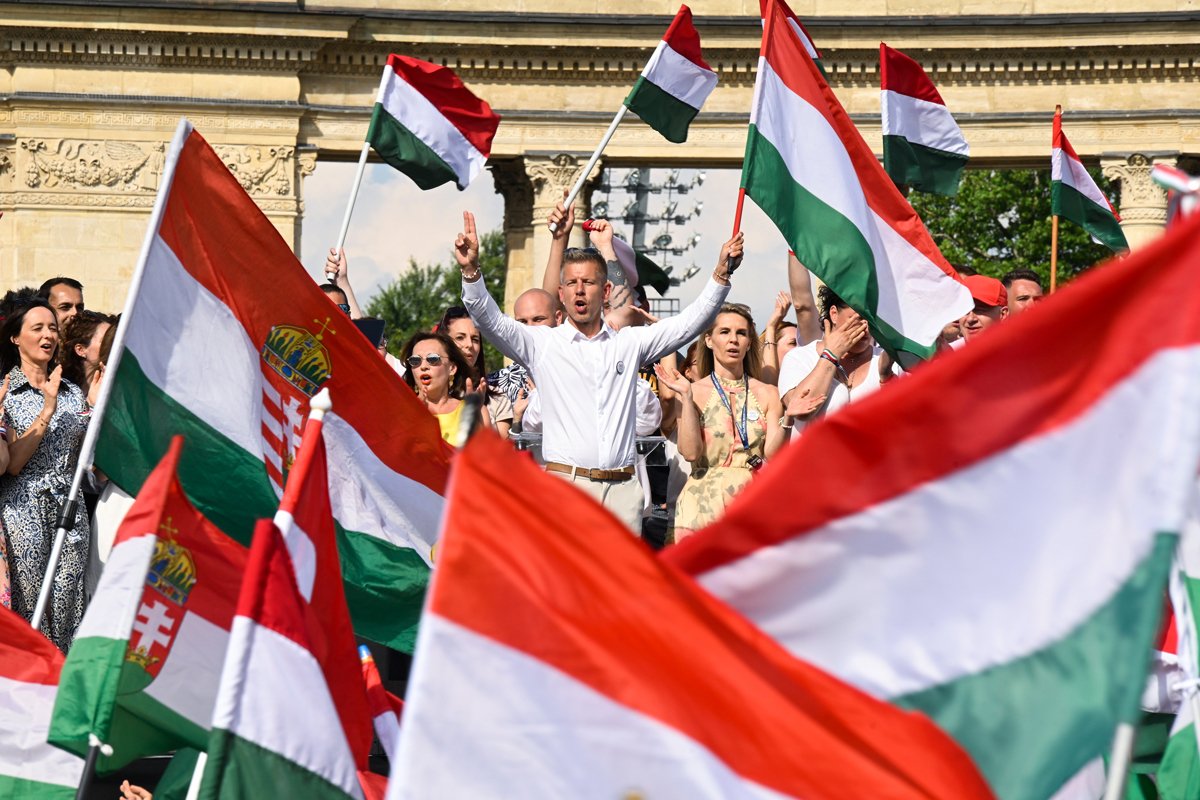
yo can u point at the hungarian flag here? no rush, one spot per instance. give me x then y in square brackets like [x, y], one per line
[1075, 196]
[675, 82]
[430, 126]
[575, 665]
[1178, 775]
[809, 169]
[938, 558]
[796, 25]
[923, 147]
[275, 730]
[640, 268]
[225, 341]
[142, 674]
[386, 708]
[30, 768]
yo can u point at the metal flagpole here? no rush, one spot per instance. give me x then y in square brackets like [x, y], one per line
[608, 134]
[358, 176]
[95, 749]
[66, 514]
[1054, 234]
[193, 791]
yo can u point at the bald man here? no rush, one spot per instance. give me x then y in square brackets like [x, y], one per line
[534, 307]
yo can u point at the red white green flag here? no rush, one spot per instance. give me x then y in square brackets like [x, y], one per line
[225, 340]
[430, 126]
[676, 81]
[1075, 196]
[797, 26]
[30, 767]
[275, 730]
[809, 169]
[142, 674]
[570, 666]
[927, 562]
[386, 708]
[923, 147]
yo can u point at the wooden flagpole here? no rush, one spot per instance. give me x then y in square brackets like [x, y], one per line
[1054, 234]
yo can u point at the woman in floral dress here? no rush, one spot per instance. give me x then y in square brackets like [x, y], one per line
[728, 418]
[46, 418]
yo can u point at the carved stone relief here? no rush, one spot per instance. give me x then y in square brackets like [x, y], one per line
[100, 166]
[1142, 200]
[260, 170]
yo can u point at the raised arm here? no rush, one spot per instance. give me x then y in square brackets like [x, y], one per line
[337, 265]
[770, 335]
[562, 220]
[513, 339]
[670, 334]
[808, 321]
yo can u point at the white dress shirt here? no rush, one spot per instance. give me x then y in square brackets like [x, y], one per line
[587, 386]
[649, 411]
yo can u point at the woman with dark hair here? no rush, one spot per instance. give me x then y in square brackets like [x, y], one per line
[728, 418]
[46, 417]
[441, 377]
[82, 336]
[457, 324]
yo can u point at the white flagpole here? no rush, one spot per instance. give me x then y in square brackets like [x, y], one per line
[1118, 764]
[358, 176]
[66, 514]
[608, 134]
[193, 791]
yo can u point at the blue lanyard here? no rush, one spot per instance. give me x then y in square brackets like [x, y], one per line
[741, 431]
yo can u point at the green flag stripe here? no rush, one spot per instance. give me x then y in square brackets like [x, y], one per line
[385, 584]
[826, 242]
[922, 168]
[661, 110]
[248, 770]
[397, 146]
[1061, 726]
[21, 789]
[1067, 202]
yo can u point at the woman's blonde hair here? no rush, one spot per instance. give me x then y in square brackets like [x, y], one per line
[751, 362]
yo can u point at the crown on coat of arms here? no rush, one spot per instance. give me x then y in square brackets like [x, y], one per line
[142, 658]
[298, 356]
[172, 571]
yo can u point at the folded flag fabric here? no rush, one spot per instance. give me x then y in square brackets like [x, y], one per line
[575, 665]
[142, 674]
[1178, 775]
[386, 708]
[675, 83]
[227, 341]
[1075, 196]
[30, 767]
[640, 268]
[275, 730]
[905, 569]
[923, 147]
[809, 169]
[430, 126]
[796, 25]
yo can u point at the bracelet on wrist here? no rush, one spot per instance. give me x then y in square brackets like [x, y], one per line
[828, 355]
[471, 277]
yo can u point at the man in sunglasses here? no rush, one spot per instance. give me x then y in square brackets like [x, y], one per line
[585, 371]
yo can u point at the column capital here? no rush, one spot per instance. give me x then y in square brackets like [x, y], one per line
[1143, 203]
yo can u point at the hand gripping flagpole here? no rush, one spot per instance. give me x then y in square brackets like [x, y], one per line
[87, 451]
[358, 176]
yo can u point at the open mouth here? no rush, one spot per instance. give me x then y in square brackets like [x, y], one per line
[580, 306]
[425, 379]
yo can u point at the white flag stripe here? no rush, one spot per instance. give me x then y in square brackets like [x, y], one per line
[25, 710]
[118, 595]
[945, 609]
[914, 293]
[922, 122]
[387, 728]
[808, 45]
[187, 683]
[279, 700]
[546, 732]
[212, 353]
[302, 550]
[679, 77]
[1074, 174]
[423, 119]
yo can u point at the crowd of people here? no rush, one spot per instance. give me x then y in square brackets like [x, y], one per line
[662, 421]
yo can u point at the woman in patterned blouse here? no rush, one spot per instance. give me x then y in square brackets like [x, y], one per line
[46, 418]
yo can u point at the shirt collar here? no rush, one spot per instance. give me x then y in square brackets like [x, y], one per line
[17, 379]
[574, 334]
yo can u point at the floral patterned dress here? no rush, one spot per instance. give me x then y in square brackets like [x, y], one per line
[29, 503]
[724, 468]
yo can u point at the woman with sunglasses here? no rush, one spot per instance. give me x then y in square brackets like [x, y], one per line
[457, 324]
[441, 377]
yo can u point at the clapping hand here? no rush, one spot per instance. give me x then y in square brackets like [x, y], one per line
[803, 404]
[673, 380]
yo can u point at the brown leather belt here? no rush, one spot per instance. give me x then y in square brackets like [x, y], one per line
[595, 474]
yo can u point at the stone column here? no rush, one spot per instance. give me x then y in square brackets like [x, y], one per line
[531, 186]
[306, 164]
[1143, 204]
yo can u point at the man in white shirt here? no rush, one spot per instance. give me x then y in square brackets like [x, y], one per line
[586, 372]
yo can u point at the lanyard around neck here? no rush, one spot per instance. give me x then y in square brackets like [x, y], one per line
[743, 428]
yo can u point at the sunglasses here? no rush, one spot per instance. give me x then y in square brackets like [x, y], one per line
[345, 307]
[433, 360]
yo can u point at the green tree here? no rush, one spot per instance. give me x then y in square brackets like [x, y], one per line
[1000, 220]
[416, 300]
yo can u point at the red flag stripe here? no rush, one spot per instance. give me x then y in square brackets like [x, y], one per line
[899, 73]
[25, 654]
[1019, 377]
[439, 85]
[683, 38]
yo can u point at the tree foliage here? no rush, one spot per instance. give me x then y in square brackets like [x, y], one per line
[416, 300]
[1000, 220]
